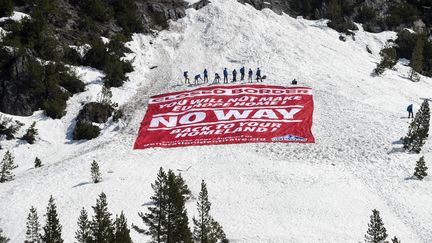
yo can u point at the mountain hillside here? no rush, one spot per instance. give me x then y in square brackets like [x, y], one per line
[322, 192]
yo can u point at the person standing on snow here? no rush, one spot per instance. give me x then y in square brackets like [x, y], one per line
[250, 74]
[185, 75]
[410, 111]
[205, 76]
[258, 75]
[242, 73]
[197, 77]
[225, 73]
[234, 73]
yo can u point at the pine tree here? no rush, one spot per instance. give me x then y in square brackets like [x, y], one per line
[95, 173]
[418, 130]
[31, 134]
[52, 230]
[376, 232]
[420, 169]
[156, 217]
[206, 229]
[82, 235]
[37, 163]
[396, 240]
[167, 219]
[105, 96]
[33, 227]
[416, 62]
[3, 239]
[101, 226]
[388, 59]
[177, 220]
[122, 232]
[6, 167]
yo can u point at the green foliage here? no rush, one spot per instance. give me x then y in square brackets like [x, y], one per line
[52, 230]
[388, 59]
[95, 173]
[421, 169]
[6, 166]
[167, 218]
[416, 63]
[121, 232]
[365, 14]
[30, 135]
[37, 163]
[107, 58]
[206, 229]
[3, 239]
[118, 114]
[101, 226]
[85, 130]
[83, 234]
[418, 130]
[127, 16]
[402, 13]
[33, 227]
[8, 127]
[6, 7]
[98, 10]
[376, 232]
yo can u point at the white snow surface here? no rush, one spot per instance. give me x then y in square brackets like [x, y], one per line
[322, 192]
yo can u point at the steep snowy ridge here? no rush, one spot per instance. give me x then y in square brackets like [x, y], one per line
[322, 192]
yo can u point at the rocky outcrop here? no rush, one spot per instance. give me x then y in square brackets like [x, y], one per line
[95, 112]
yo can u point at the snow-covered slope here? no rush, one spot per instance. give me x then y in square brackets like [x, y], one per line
[321, 192]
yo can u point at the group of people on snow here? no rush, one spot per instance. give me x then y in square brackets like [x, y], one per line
[217, 77]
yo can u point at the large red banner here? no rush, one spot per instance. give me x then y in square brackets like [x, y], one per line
[228, 115]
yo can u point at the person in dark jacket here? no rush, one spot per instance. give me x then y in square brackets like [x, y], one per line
[410, 111]
[250, 74]
[234, 73]
[258, 75]
[225, 73]
[205, 76]
[242, 73]
[197, 78]
[185, 75]
[217, 78]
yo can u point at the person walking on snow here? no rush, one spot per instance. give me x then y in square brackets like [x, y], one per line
[258, 75]
[217, 78]
[250, 74]
[197, 77]
[225, 73]
[410, 111]
[242, 73]
[185, 75]
[205, 76]
[234, 73]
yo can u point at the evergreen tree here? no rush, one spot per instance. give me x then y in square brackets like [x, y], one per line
[376, 232]
[33, 227]
[6, 167]
[95, 173]
[3, 239]
[121, 230]
[206, 229]
[167, 219]
[37, 163]
[101, 226]
[105, 96]
[156, 217]
[177, 220]
[6, 7]
[396, 240]
[52, 230]
[418, 130]
[416, 62]
[420, 169]
[82, 235]
[388, 59]
[31, 134]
